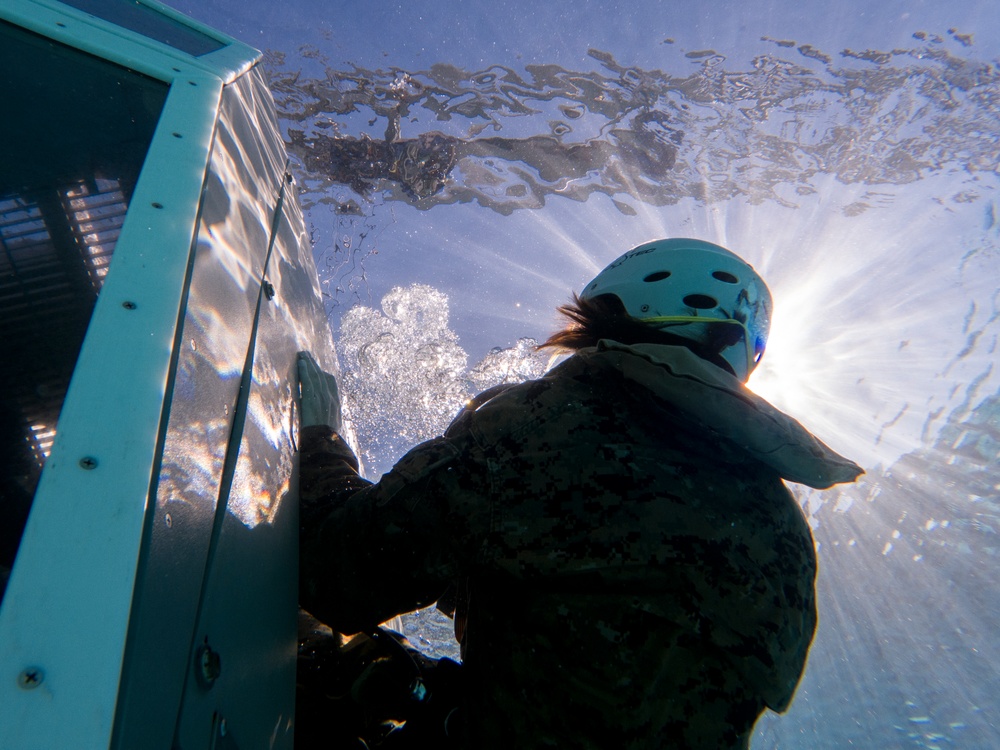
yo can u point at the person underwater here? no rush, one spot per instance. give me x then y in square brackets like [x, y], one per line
[627, 567]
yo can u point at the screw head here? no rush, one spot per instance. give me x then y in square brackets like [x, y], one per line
[30, 678]
[88, 462]
[209, 666]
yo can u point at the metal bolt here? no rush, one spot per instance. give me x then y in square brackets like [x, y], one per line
[269, 290]
[88, 463]
[31, 678]
[210, 664]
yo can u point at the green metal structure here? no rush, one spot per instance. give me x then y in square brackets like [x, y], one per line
[156, 282]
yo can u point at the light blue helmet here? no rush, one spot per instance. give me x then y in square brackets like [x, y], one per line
[692, 287]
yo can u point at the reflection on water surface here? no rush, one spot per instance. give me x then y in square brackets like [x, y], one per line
[768, 129]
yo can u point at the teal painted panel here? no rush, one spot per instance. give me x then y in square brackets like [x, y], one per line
[249, 607]
[162, 49]
[219, 567]
[67, 606]
[211, 349]
[157, 523]
[150, 23]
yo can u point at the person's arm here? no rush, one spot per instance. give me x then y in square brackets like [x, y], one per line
[328, 473]
[368, 551]
[328, 468]
[394, 546]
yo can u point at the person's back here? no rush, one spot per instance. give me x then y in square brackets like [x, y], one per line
[634, 550]
[632, 572]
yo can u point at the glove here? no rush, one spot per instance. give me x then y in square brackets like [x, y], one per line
[319, 395]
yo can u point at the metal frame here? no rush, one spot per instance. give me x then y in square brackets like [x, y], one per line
[77, 29]
[65, 615]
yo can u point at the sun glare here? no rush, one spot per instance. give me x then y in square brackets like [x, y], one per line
[871, 345]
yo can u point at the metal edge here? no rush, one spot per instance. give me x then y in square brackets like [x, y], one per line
[101, 38]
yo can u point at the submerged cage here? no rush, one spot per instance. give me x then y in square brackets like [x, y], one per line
[156, 282]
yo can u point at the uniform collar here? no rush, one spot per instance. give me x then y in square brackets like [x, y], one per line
[714, 398]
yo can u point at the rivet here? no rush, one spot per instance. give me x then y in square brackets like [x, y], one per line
[129, 305]
[30, 678]
[644, 308]
[88, 463]
[210, 665]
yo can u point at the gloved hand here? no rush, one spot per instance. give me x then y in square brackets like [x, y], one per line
[320, 398]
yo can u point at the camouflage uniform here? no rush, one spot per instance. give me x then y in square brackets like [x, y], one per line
[638, 576]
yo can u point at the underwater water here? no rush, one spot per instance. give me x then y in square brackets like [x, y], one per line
[465, 167]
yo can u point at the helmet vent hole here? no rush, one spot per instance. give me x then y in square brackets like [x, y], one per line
[726, 277]
[700, 301]
[657, 276]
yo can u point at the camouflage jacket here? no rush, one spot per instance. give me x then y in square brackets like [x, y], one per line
[621, 523]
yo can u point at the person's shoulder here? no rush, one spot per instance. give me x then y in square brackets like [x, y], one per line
[511, 407]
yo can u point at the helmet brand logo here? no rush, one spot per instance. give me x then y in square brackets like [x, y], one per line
[629, 256]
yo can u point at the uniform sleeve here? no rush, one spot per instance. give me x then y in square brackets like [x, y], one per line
[371, 551]
[328, 473]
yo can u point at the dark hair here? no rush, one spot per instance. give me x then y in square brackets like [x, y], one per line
[604, 317]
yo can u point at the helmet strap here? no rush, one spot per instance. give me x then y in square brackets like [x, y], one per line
[670, 320]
